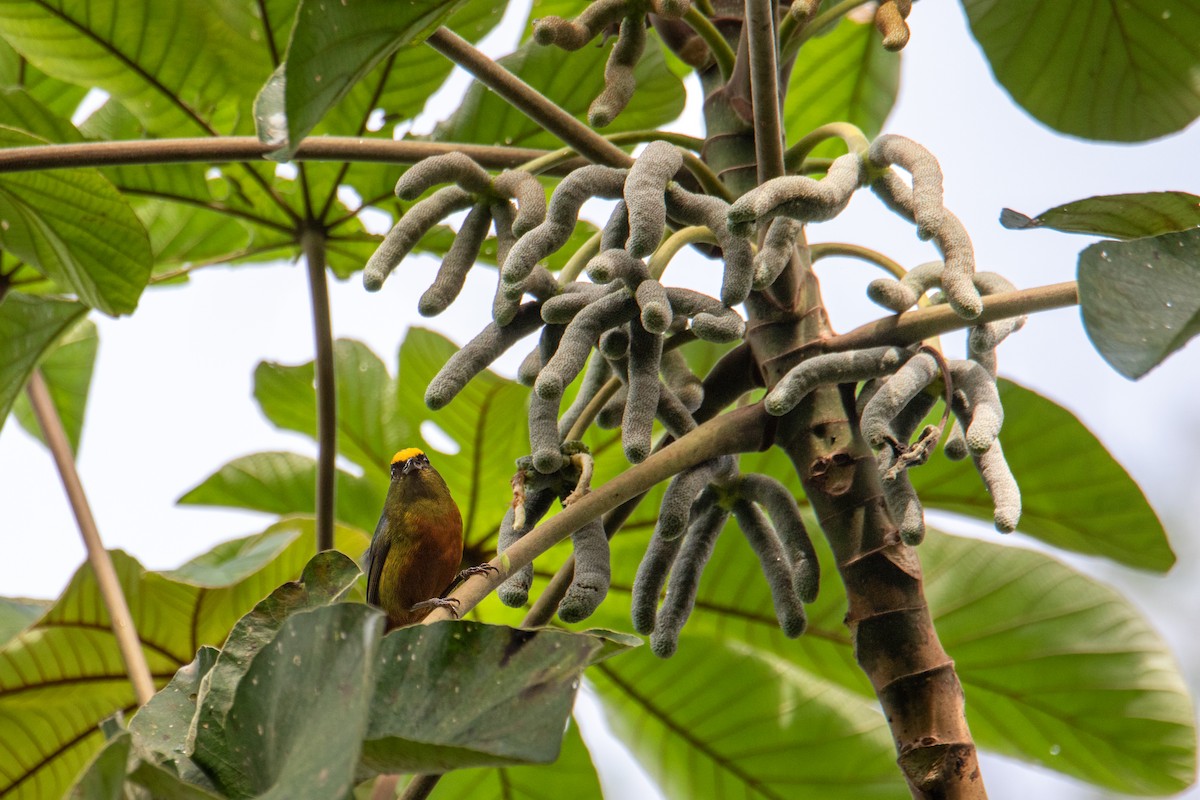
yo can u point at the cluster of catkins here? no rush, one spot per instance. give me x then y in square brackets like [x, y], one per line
[621, 324]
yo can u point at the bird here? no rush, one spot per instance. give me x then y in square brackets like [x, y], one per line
[417, 548]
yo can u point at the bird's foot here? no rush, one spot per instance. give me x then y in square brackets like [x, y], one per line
[448, 603]
[481, 569]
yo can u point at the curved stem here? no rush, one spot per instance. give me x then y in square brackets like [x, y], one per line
[764, 87]
[528, 100]
[675, 242]
[313, 241]
[721, 51]
[579, 259]
[832, 16]
[707, 178]
[592, 409]
[106, 575]
[828, 249]
[856, 142]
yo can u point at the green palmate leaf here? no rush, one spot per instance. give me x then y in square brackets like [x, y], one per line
[67, 370]
[332, 47]
[572, 81]
[571, 775]
[64, 675]
[1119, 216]
[1074, 494]
[296, 721]
[29, 326]
[1058, 669]
[183, 68]
[15, 72]
[22, 111]
[488, 421]
[17, 614]
[77, 230]
[777, 731]
[1140, 300]
[285, 483]
[451, 694]
[104, 778]
[844, 76]
[1112, 71]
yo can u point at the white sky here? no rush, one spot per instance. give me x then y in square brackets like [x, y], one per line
[171, 397]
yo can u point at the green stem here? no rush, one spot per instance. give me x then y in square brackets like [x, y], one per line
[856, 142]
[764, 87]
[721, 51]
[579, 259]
[676, 242]
[828, 249]
[312, 239]
[528, 100]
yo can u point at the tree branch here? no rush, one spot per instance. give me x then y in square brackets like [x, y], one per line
[764, 87]
[528, 100]
[106, 575]
[313, 242]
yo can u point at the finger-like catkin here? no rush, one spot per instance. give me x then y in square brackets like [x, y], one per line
[503, 216]
[672, 413]
[894, 395]
[478, 353]
[405, 234]
[926, 175]
[675, 511]
[614, 344]
[679, 377]
[713, 212]
[984, 413]
[670, 9]
[650, 579]
[514, 592]
[619, 81]
[777, 250]
[903, 294]
[785, 516]
[607, 312]
[589, 585]
[454, 167]
[655, 306]
[561, 309]
[775, 566]
[711, 320]
[593, 180]
[984, 338]
[999, 480]
[798, 197]
[540, 283]
[596, 375]
[905, 507]
[891, 26]
[645, 190]
[616, 231]
[458, 261]
[530, 197]
[573, 34]
[685, 580]
[641, 404]
[615, 264]
[847, 367]
[544, 444]
[956, 443]
[613, 411]
[530, 366]
[804, 10]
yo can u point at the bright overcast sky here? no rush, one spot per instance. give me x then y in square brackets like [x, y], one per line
[171, 396]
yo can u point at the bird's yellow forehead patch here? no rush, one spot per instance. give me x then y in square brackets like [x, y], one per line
[406, 454]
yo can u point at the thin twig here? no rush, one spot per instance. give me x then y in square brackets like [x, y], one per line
[764, 88]
[856, 142]
[313, 242]
[847, 250]
[527, 100]
[419, 787]
[102, 565]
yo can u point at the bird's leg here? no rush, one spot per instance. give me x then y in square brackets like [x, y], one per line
[448, 603]
[479, 569]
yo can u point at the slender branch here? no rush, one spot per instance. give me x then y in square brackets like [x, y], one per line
[829, 249]
[102, 565]
[528, 100]
[721, 51]
[313, 242]
[737, 431]
[419, 787]
[675, 242]
[215, 150]
[852, 135]
[764, 87]
[579, 259]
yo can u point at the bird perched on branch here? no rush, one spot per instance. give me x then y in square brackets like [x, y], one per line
[418, 544]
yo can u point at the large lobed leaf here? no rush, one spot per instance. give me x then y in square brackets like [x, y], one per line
[29, 327]
[1119, 216]
[1122, 72]
[67, 370]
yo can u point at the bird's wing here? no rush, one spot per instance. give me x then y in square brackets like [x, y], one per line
[376, 555]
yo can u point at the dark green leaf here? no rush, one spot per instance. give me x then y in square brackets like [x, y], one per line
[572, 81]
[104, 778]
[160, 728]
[67, 370]
[1140, 299]
[296, 722]
[1118, 216]
[1074, 493]
[29, 326]
[452, 694]
[844, 76]
[76, 229]
[285, 483]
[1122, 72]
[332, 47]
